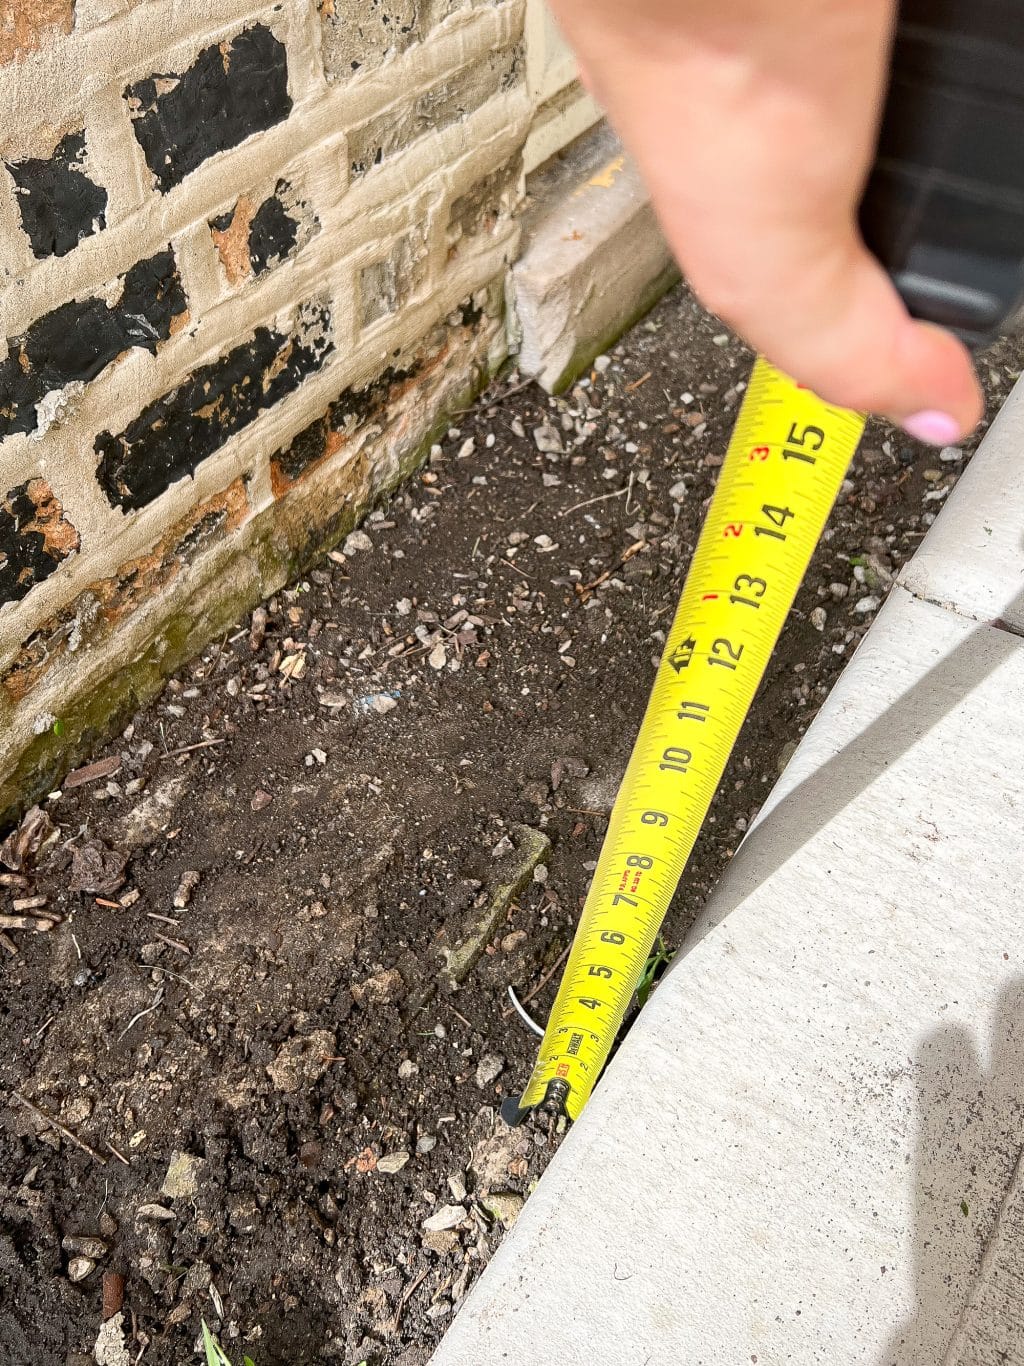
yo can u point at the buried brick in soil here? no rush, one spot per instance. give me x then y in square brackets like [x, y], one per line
[290, 1110]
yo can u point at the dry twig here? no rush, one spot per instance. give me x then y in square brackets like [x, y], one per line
[61, 1128]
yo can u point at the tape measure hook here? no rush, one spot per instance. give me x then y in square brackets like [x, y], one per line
[554, 1103]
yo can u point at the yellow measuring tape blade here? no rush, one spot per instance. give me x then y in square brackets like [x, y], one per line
[787, 459]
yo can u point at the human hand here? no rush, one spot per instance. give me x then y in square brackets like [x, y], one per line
[754, 124]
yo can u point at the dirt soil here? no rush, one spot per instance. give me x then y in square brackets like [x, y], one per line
[240, 1020]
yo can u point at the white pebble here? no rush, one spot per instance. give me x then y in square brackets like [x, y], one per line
[448, 1216]
[547, 440]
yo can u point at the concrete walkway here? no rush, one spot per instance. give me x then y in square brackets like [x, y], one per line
[805, 1151]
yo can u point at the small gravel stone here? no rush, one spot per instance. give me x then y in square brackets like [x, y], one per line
[386, 985]
[189, 882]
[818, 618]
[505, 1206]
[448, 1216]
[426, 1143]
[489, 1068]
[80, 1267]
[356, 541]
[548, 440]
[601, 363]
[392, 1163]
[839, 590]
[407, 1069]
[85, 1246]
[182, 1179]
[865, 606]
[678, 491]
[438, 657]
[951, 454]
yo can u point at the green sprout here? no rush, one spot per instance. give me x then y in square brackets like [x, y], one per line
[215, 1355]
[660, 958]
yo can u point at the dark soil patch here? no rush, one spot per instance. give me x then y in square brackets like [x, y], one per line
[284, 1028]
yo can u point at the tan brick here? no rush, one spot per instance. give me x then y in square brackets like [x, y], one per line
[25, 25]
[448, 101]
[262, 229]
[360, 35]
[488, 203]
[387, 284]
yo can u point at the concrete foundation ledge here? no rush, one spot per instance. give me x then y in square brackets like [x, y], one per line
[593, 258]
[805, 1150]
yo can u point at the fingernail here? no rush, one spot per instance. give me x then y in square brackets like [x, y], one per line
[937, 429]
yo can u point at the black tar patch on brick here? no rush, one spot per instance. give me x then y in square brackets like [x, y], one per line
[231, 91]
[272, 233]
[79, 339]
[351, 409]
[59, 203]
[172, 436]
[29, 548]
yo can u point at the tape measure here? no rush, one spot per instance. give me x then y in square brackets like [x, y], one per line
[788, 456]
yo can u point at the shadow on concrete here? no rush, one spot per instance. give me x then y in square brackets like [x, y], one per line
[970, 1084]
[970, 1129]
[821, 796]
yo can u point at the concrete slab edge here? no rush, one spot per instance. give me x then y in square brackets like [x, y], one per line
[593, 260]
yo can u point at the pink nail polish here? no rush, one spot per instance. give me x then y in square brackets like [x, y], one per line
[937, 429]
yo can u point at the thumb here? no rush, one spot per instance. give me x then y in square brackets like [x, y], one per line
[832, 319]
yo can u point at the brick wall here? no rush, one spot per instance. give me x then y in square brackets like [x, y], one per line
[248, 256]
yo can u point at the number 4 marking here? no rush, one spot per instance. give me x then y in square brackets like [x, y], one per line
[778, 517]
